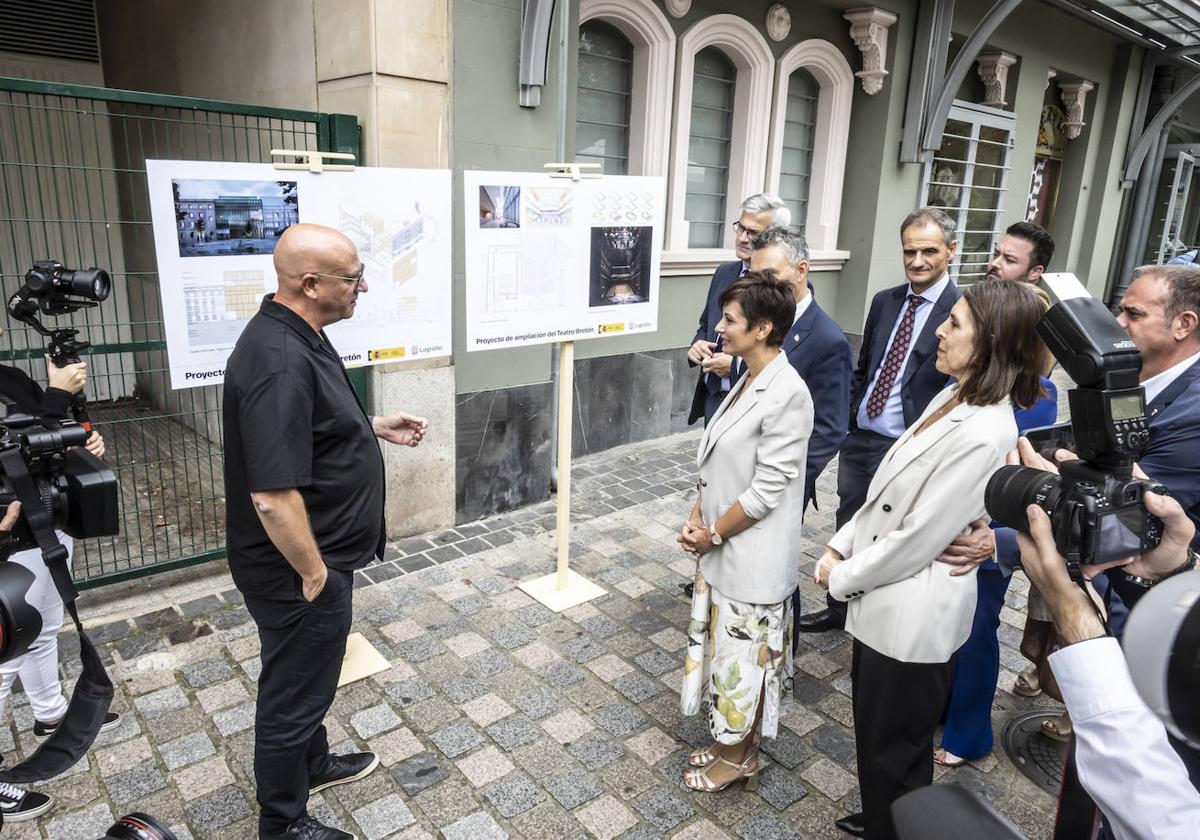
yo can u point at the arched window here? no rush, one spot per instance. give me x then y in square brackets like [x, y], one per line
[799, 134]
[604, 94]
[709, 142]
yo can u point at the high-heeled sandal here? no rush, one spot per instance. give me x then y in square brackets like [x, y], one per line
[697, 779]
[704, 757]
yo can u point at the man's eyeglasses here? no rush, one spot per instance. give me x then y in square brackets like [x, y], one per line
[356, 279]
[740, 229]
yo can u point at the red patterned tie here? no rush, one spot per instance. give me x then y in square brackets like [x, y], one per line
[894, 361]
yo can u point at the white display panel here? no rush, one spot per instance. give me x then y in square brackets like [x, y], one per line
[550, 259]
[215, 229]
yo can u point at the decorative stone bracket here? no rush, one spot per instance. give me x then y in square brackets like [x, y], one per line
[1074, 95]
[993, 70]
[869, 29]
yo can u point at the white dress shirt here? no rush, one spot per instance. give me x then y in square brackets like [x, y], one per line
[890, 421]
[1158, 383]
[1125, 762]
[803, 305]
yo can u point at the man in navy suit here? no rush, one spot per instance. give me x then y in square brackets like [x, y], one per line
[718, 371]
[815, 345]
[895, 378]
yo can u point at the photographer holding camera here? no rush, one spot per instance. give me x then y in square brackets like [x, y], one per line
[1124, 759]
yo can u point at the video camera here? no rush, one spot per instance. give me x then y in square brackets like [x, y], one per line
[1094, 504]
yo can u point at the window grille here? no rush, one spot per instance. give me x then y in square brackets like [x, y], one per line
[800, 124]
[709, 148]
[968, 178]
[605, 89]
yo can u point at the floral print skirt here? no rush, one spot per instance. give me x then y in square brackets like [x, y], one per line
[737, 653]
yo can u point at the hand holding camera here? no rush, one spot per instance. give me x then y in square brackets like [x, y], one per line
[70, 378]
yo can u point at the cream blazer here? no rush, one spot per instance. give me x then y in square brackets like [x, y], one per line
[927, 490]
[753, 451]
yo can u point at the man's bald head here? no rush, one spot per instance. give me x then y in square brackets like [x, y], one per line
[308, 248]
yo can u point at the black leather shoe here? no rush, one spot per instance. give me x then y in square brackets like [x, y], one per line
[688, 588]
[343, 769]
[306, 828]
[819, 622]
[852, 824]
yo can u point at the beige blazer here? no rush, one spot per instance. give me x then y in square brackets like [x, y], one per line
[753, 451]
[927, 490]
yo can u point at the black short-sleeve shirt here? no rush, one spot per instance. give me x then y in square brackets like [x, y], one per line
[292, 420]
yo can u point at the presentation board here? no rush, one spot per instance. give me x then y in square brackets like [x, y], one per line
[215, 230]
[551, 259]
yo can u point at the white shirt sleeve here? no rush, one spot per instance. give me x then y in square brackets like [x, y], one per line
[1125, 761]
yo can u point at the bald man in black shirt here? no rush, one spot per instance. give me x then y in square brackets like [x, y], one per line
[304, 488]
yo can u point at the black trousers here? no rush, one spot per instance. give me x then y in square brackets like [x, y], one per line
[302, 649]
[896, 710]
[858, 459]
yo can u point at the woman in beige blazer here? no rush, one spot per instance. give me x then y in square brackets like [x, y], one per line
[908, 615]
[745, 530]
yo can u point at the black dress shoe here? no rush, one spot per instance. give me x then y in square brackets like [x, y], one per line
[306, 828]
[688, 588]
[342, 769]
[819, 622]
[852, 824]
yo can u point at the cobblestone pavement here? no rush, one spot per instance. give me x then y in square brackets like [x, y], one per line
[498, 718]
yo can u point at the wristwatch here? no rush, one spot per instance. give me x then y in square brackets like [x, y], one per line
[716, 538]
[1186, 566]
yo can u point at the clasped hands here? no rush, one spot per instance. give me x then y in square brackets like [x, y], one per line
[704, 353]
[696, 538]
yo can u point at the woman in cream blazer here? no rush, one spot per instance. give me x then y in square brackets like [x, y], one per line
[745, 530]
[907, 613]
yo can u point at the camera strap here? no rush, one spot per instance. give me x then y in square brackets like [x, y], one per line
[93, 691]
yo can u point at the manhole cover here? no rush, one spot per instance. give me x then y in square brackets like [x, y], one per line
[1038, 757]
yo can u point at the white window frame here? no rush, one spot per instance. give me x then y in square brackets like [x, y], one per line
[652, 80]
[746, 48]
[978, 116]
[831, 139]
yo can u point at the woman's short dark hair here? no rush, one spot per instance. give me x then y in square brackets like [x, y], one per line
[1009, 355]
[764, 298]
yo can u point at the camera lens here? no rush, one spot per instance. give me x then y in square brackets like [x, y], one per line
[138, 827]
[91, 283]
[1012, 489]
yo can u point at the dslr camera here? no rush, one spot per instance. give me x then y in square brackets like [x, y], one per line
[1094, 504]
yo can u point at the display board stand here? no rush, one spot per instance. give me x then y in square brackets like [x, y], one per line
[564, 588]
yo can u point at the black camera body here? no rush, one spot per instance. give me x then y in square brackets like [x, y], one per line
[1094, 504]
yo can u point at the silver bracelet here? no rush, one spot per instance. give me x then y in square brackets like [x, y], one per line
[1146, 583]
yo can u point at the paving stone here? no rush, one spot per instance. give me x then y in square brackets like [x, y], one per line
[135, 784]
[478, 826]
[207, 672]
[252, 668]
[396, 746]
[186, 750]
[383, 817]
[407, 692]
[470, 604]
[619, 719]
[606, 818]
[218, 810]
[835, 742]
[574, 788]
[200, 606]
[800, 720]
[652, 746]
[766, 827]
[609, 667]
[373, 721]
[637, 688]
[514, 795]
[513, 731]
[583, 649]
[778, 788]
[118, 759]
[467, 644]
[456, 739]
[595, 751]
[111, 632]
[204, 778]
[489, 662]
[539, 703]
[656, 662]
[567, 726]
[536, 655]
[485, 766]
[462, 689]
[418, 773]
[513, 635]
[487, 709]
[234, 720]
[663, 809]
[542, 758]
[601, 626]
[701, 829]
[421, 648]
[829, 778]
[787, 749]
[163, 700]
[222, 695]
[548, 821]
[432, 714]
[535, 615]
[93, 822]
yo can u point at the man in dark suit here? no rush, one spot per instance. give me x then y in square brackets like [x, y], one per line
[815, 345]
[895, 378]
[718, 371]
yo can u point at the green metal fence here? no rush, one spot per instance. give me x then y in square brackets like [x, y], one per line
[73, 188]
